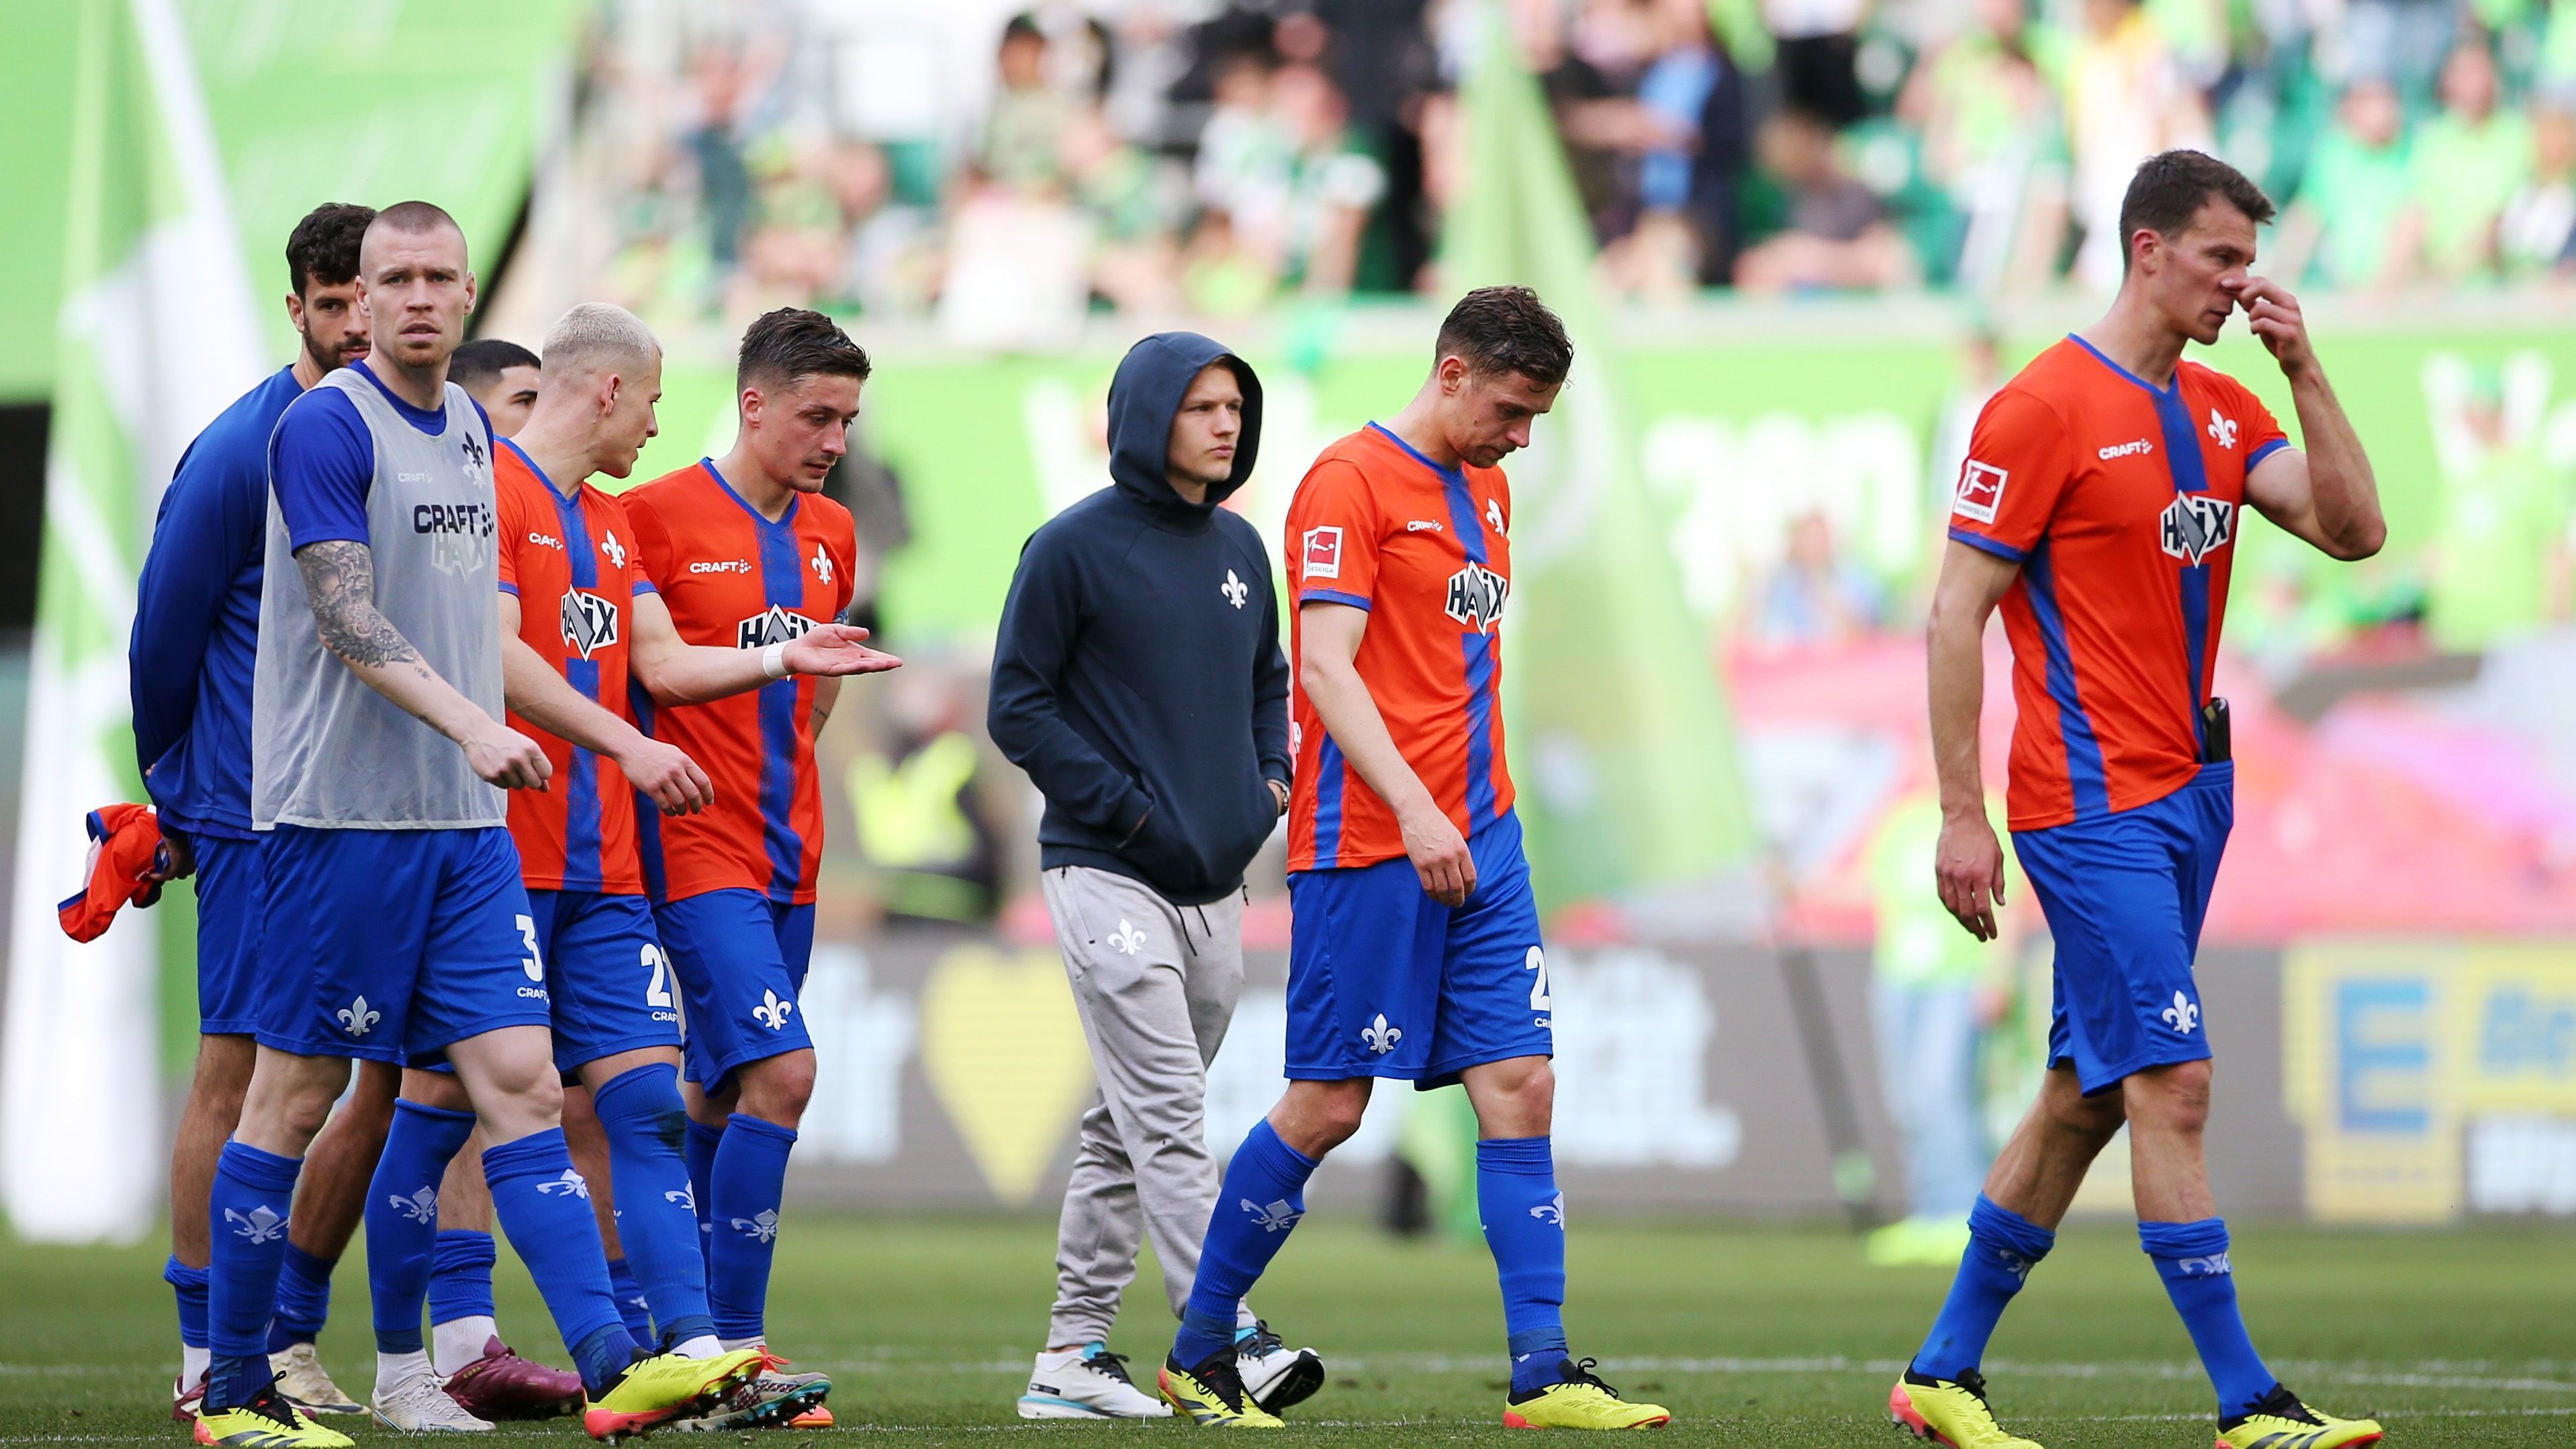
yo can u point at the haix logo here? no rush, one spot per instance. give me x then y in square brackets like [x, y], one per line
[356, 1017]
[2223, 429]
[545, 540]
[761, 1226]
[589, 623]
[1279, 1217]
[2135, 447]
[571, 1184]
[2182, 1016]
[420, 1207]
[1476, 595]
[1127, 939]
[1551, 1212]
[1380, 1037]
[616, 551]
[2213, 1266]
[773, 1011]
[822, 564]
[2196, 525]
[685, 1195]
[721, 566]
[1494, 514]
[1234, 589]
[263, 1224]
[776, 626]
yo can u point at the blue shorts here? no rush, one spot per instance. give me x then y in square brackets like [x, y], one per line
[741, 958]
[1384, 981]
[390, 944]
[232, 889]
[2125, 896]
[610, 981]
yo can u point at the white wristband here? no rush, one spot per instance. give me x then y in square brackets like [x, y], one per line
[773, 660]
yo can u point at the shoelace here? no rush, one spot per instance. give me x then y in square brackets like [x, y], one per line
[1975, 1383]
[1262, 1341]
[271, 1405]
[1109, 1365]
[1582, 1373]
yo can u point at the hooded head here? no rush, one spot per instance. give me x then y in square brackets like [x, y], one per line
[1145, 396]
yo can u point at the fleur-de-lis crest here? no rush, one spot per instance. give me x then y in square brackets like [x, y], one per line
[1380, 1037]
[357, 1016]
[616, 551]
[1551, 1212]
[2223, 429]
[822, 563]
[772, 1012]
[1127, 939]
[262, 1224]
[420, 1207]
[571, 1184]
[762, 1225]
[1494, 513]
[2182, 1016]
[685, 1195]
[1234, 589]
[1278, 1217]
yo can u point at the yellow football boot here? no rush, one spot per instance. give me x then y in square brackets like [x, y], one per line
[2282, 1422]
[1581, 1401]
[1949, 1411]
[1212, 1395]
[268, 1421]
[656, 1390]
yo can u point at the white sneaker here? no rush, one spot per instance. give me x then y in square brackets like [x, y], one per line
[1088, 1382]
[300, 1378]
[1274, 1374]
[417, 1404]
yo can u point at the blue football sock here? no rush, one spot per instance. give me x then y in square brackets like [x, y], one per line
[402, 1217]
[1524, 1219]
[303, 1299]
[460, 1276]
[544, 1207]
[749, 1183]
[700, 1150]
[253, 1190]
[2192, 1259]
[1263, 1195]
[2003, 1246]
[657, 1219]
[632, 1305]
[190, 1284]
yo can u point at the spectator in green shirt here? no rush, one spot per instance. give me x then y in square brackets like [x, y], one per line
[2470, 160]
[2344, 224]
[2499, 558]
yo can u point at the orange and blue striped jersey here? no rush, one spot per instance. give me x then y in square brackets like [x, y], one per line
[736, 580]
[2121, 502]
[571, 564]
[1377, 526]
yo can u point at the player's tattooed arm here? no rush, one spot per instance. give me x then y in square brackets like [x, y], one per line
[340, 584]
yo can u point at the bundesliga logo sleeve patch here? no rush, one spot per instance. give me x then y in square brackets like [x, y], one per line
[1981, 491]
[1322, 556]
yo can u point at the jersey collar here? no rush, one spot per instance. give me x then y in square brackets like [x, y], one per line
[2168, 390]
[795, 499]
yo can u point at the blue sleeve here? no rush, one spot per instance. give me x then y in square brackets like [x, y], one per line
[321, 464]
[212, 517]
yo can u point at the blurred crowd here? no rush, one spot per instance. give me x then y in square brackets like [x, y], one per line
[1012, 165]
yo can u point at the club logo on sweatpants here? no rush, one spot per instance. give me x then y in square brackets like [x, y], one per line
[1279, 1217]
[420, 1207]
[1127, 939]
[1380, 1037]
[262, 1224]
[356, 1017]
[773, 1011]
[761, 1226]
[2182, 1016]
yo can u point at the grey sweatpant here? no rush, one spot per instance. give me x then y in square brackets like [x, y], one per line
[1156, 986]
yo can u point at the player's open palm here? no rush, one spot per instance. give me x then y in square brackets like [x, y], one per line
[1440, 856]
[668, 777]
[2273, 315]
[1969, 867]
[832, 650]
[509, 759]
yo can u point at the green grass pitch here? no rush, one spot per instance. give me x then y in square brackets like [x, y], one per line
[1753, 1336]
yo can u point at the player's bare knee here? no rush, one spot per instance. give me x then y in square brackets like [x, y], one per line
[777, 1089]
[1316, 1117]
[224, 1065]
[2171, 1099]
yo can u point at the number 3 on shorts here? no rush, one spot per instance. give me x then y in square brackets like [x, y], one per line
[531, 963]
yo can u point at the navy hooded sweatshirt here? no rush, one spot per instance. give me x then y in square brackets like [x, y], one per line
[1138, 677]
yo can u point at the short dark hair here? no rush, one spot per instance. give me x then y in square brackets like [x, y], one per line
[792, 343]
[324, 245]
[2170, 189]
[485, 358]
[416, 217]
[1507, 329]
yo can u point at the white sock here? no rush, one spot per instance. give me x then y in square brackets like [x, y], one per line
[736, 1345]
[192, 1365]
[395, 1369]
[459, 1341]
[702, 1346]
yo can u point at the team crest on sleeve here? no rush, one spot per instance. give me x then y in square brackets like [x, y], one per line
[589, 622]
[1323, 553]
[1981, 491]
